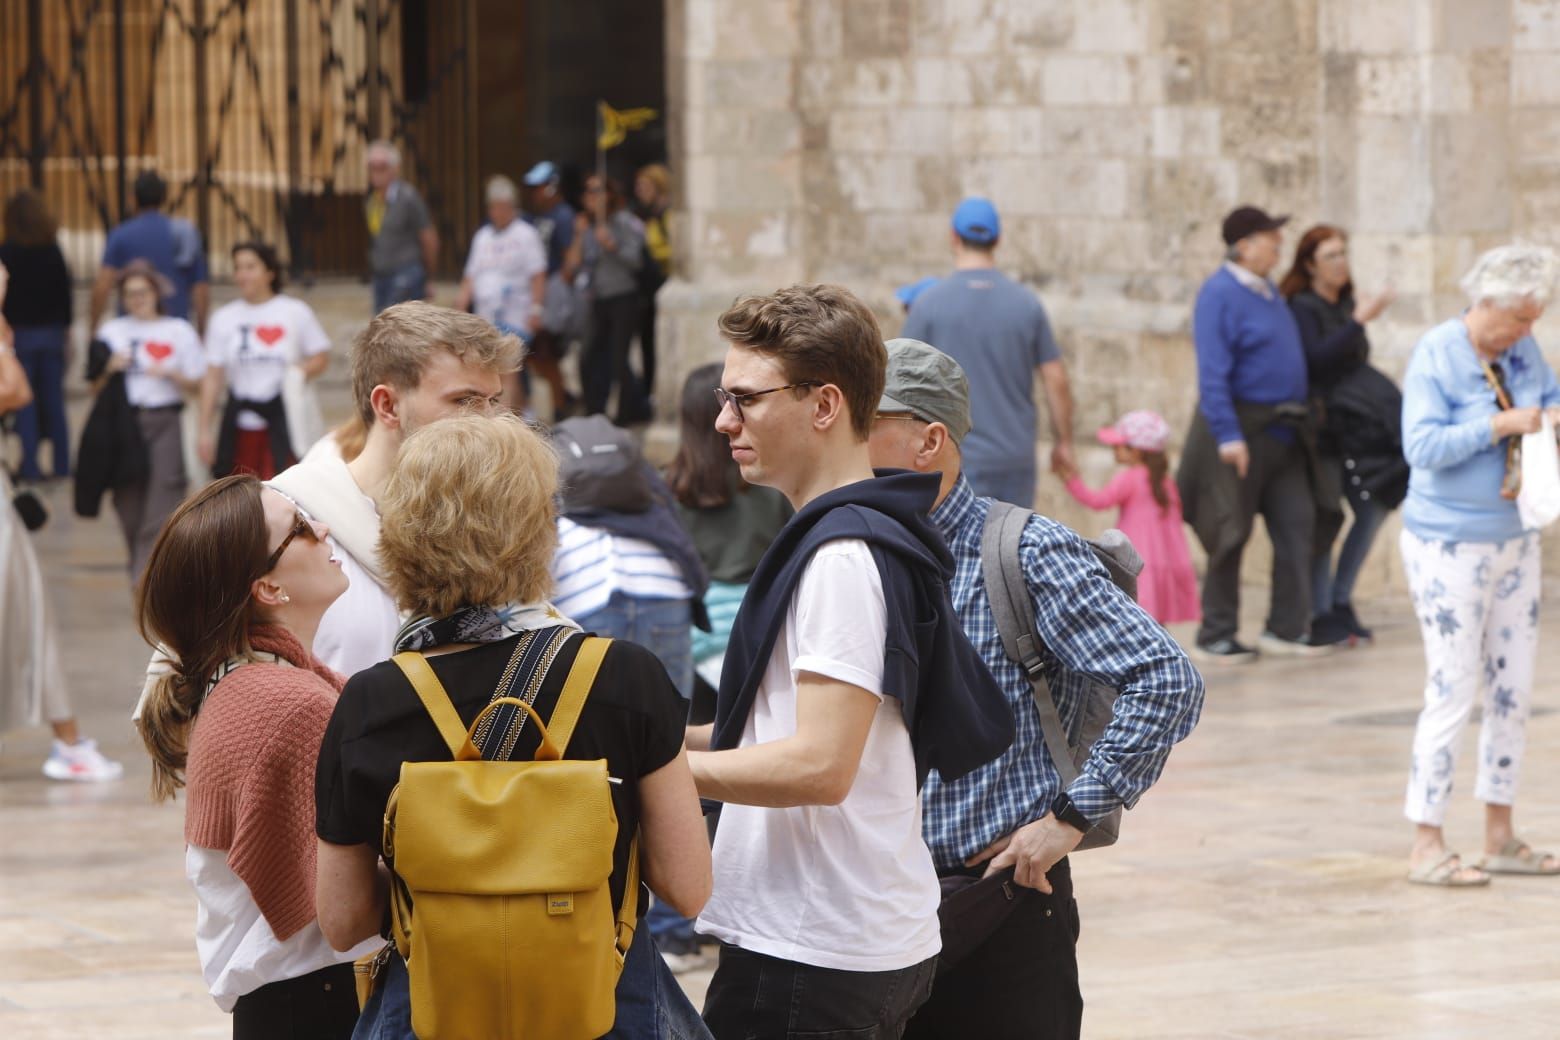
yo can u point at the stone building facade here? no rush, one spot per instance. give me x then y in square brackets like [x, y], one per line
[829, 140]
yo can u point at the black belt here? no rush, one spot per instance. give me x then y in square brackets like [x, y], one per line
[179, 407]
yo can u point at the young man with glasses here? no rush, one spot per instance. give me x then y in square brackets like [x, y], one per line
[847, 679]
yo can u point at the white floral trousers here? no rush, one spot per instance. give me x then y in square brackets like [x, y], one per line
[1477, 604]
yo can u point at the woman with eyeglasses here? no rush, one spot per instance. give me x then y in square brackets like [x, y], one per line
[1359, 441]
[1475, 385]
[236, 586]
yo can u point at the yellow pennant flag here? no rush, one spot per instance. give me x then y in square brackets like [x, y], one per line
[615, 125]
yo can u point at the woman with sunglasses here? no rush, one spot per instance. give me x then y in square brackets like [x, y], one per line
[1475, 385]
[235, 587]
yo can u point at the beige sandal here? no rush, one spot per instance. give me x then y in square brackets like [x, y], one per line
[1444, 873]
[1518, 857]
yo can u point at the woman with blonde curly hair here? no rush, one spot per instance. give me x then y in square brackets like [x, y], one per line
[467, 543]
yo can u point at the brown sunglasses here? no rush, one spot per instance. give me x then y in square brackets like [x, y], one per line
[300, 526]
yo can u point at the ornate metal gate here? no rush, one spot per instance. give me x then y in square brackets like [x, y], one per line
[257, 112]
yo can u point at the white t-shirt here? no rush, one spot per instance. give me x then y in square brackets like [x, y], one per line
[254, 344]
[591, 564]
[162, 341]
[358, 630]
[238, 951]
[501, 265]
[848, 886]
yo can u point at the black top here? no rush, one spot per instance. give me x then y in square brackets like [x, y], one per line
[40, 285]
[1334, 342]
[732, 538]
[634, 718]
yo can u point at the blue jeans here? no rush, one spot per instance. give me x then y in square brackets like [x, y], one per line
[662, 626]
[665, 628]
[1009, 485]
[41, 351]
[407, 283]
[1334, 586]
[650, 1003]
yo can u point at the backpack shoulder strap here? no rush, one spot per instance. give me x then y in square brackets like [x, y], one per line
[571, 701]
[434, 698]
[1014, 614]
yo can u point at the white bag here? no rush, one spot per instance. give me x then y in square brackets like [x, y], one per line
[1538, 501]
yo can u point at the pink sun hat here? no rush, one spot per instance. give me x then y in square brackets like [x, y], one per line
[1143, 430]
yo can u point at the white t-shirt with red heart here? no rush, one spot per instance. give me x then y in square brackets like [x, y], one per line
[253, 343]
[160, 343]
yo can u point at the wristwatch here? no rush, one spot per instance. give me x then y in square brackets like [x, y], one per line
[1064, 809]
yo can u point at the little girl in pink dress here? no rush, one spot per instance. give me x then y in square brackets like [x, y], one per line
[1150, 514]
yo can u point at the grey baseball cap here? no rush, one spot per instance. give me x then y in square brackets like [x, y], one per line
[928, 384]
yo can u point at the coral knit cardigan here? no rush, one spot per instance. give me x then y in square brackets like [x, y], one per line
[250, 775]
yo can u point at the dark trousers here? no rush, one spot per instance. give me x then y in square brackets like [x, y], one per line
[1278, 486]
[41, 351]
[755, 997]
[605, 361]
[143, 508]
[647, 338]
[319, 1006]
[1021, 983]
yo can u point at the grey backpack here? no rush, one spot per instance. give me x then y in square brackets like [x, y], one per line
[600, 468]
[1014, 613]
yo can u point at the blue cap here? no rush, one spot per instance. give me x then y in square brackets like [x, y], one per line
[908, 293]
[540, 174]
[976, 221]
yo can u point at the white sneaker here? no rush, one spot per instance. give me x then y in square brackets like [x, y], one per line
[81, 762]
[1275, 645]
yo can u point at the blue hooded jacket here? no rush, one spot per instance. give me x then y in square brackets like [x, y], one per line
[956, 713]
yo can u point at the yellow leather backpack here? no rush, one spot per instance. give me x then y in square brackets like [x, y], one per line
[500, 897]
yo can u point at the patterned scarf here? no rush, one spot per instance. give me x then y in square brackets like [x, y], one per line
[479, 625]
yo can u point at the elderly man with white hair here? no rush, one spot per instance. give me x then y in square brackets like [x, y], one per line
[1474, 386]
[506, 272]
[403, 245]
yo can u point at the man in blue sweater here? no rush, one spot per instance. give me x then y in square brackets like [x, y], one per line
[1247, 450]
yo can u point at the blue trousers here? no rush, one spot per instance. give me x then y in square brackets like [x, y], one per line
[41, 351]
[1334, 586]
[408, 283]
[1012, 485]
[650, 1003]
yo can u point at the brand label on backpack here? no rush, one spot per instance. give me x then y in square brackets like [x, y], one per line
[559, 905]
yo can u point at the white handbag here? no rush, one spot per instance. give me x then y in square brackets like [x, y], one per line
[1538, 500]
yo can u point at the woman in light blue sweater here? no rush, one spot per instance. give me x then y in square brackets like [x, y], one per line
[1475, 384]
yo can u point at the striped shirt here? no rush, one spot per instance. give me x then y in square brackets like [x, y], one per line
[591, 564]
[1090, 630]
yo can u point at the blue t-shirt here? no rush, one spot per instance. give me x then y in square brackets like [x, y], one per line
[1454, 485]
[170, 244]
[556, 227]
[998, 332]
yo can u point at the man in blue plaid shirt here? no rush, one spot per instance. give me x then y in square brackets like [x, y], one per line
[1013, 813]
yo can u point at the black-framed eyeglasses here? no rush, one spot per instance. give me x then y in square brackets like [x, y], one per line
[736, 401]
[300, 526]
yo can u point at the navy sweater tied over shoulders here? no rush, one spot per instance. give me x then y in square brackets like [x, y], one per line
[957, 715]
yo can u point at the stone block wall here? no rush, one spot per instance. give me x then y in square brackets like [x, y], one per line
[830, 139]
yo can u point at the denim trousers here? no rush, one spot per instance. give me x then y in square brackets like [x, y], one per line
[664, 627]
[1334, 585]
[41, 351]
[757, 997]
[650, 1003]
[1005, 485]
[407, 283]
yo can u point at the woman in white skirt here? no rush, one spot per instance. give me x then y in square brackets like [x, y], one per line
[1474, 386]
[32, 683]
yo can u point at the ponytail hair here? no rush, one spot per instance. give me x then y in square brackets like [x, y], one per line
[1158, 473]
[194, 603]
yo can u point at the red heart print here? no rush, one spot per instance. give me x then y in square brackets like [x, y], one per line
[269, 334]
[159, 351]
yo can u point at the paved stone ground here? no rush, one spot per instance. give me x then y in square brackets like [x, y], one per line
[1256, 892]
